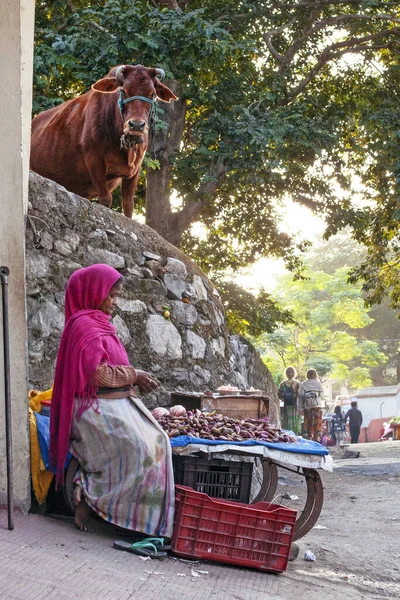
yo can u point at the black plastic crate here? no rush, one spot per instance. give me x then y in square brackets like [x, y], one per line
[229, 480]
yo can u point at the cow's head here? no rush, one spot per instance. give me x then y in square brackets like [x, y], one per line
[135, 81]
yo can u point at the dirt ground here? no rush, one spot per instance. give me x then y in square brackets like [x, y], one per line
[356, 544]
[356, 539]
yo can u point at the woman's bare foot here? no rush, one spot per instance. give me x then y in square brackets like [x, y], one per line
[77, 495]
[82, 513]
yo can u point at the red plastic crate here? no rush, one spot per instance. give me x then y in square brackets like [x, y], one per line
[250, 535]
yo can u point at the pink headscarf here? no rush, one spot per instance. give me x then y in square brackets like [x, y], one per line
[88, 340]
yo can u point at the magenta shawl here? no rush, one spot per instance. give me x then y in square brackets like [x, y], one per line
[88, 340]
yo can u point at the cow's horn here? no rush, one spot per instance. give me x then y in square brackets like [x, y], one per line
[160, 74]
[119, 75]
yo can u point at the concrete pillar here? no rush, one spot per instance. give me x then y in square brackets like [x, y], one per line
[16, 51]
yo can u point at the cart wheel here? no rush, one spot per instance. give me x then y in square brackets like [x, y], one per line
[68, 487]
[312, 509]
[269, 482]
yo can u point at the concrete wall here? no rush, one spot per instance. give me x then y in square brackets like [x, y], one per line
[16, 42]
[371, 408]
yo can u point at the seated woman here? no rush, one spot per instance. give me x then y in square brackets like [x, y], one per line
[125, 457]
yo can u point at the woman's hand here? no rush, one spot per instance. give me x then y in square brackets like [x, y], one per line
[145, 382]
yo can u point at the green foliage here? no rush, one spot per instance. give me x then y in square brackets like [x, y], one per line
[271, 111]
[328, 330]
[247, 314]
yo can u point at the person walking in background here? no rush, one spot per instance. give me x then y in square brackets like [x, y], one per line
[338, 426]
[288, 389]
[354, 415]
[310, 401]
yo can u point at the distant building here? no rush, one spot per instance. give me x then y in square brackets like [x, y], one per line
[380, 402]
[334, 390]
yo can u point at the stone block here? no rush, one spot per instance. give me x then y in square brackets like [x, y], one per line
[122, 330]
[176, 267]
[163, 337]
[186, 314]
[100, 255]
[196, 344]
[133, 306]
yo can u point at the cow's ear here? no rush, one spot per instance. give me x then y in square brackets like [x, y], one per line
[106, 85]
[164, 93]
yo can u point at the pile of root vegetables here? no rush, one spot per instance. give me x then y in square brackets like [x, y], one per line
[210, 426]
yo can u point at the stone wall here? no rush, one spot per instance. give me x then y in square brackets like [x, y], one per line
[190, 350]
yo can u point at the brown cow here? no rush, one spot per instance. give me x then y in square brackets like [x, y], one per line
[91, 143]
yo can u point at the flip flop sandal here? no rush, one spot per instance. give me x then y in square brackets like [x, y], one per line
[140, 548]
[159, 542]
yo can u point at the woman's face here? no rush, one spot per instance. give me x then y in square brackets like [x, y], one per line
[110, 302]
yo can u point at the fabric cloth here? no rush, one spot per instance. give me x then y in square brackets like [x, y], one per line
[337, 423]
[301, 446]
[307, 386]
[88, 340]
[291, 418]
[126, 465]
[284, 389]
[339, 436]
[313, 423]
[354, 415]
[41, 478]
[106, 376]
[354, 433]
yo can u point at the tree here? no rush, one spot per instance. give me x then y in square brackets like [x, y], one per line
[328, 330]
[248, 314]
[267, 109]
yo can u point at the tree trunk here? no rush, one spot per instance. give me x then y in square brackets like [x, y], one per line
[164, 143]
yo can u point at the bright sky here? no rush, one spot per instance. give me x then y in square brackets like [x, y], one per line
[265, 272]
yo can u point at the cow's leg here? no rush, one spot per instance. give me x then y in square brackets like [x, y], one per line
[98, 177]
[128, 194]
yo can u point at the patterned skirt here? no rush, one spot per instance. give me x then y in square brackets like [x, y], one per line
[126, 466]
[313, 423]
[291, 419]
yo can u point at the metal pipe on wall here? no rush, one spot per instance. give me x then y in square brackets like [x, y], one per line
[4, 273]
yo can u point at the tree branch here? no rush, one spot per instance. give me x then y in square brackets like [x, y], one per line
[328, 3]
[206, 190]
[351, 45]
[311, 28]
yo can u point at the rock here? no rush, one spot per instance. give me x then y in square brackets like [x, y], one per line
[155, 267]
[147, 273]
[46, 240]
[99, 255]
[186, 314]
[136, 271]
[219, 316]
[59, 297]
[164, 338]
[203, 374]
[176, 267]
[196, 345]
[218, 346]
[72, 238]
[122, 330]
[199, 289]
[37, 265]
[48, 320]
[99, 234]
[151, 256]
[133, 306]
[175, 286]
[63, 247]
[181, 375]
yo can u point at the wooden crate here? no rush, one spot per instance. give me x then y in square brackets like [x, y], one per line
[237, 407]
